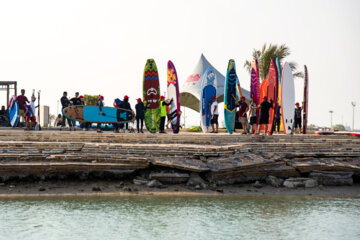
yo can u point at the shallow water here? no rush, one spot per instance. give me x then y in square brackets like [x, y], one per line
[180, 218]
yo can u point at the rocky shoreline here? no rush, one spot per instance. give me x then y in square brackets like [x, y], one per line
[188, 162]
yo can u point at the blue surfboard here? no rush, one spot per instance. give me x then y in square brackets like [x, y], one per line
[229, 94]
[208, 90]
[92, 114]
[14, 111]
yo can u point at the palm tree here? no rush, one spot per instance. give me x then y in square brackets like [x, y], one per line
[265, 55]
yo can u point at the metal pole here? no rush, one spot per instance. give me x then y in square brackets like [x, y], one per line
[331, 112]
[353, 120]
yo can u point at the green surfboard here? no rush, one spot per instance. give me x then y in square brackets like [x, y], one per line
[151, 94]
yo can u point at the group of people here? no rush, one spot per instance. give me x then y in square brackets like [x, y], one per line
[140, 109]
[249, 113]
[27, 112]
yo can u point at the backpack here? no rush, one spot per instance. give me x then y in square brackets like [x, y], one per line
[118, 102]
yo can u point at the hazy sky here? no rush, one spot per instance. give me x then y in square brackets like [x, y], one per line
[100, 47]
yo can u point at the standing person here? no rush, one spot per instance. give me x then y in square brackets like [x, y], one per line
[126, 105]
[84, 125]
[214, 109]
[100, 104]
[116, 104]
[163, 113]
[298, 111]
[22, 100]
[243, 108]
[76, 101]
[31, 114]
[253, 116]
[65, 103]
[264, 114]
[140, 114]
[277, 119]
[168, 116]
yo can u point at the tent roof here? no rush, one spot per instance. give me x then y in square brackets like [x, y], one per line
[191, 89]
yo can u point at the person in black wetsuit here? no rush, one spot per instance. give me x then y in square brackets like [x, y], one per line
[100, 104]
[126, 105]
[140, 114]
[264, 114]
[75, 101]
[65, 103]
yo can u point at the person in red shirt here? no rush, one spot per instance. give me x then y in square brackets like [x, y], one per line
[22, 101]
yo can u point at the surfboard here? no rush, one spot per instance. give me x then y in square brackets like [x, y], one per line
[208, 90]
[279, 68]
[13, 111]
[229, 94]
[357, 134]
[173, 93]
[272, 94]
[151, 95]
[92, 114]
[287, 98]
[255, 85]
[306, 100]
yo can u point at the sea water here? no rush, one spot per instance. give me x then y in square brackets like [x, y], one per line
[143, 217]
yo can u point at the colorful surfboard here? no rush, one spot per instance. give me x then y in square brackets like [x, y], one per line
[272, 94]
[151, 95]
[208, 90]
[13, 111]
[92, 114]
[279, 68]
[255, 85]
[229, 96]
[287, 98]
[173, 93]
[306, 100]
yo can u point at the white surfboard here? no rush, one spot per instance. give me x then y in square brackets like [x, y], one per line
[287, 99]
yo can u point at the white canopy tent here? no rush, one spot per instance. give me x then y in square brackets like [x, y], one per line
[190, 90]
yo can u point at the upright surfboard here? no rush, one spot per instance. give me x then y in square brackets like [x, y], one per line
[208, 90]
[279, 68]
[92, 114]
[13, 111]
[272, 94]
[287, 98]
[229, 94]
[173, 93]
[306, 100]
[255, 85]
[151, 95]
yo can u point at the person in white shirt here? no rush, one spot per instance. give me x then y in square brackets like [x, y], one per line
[30, 114]
[214, 115]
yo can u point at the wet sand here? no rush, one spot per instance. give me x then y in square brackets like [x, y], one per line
[117, 188]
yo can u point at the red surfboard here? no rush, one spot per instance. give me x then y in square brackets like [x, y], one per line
[272, 94]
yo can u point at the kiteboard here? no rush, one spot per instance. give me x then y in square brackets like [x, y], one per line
[13, 111]
[306, 100]
[229, 97]
[272, 94]
[287, 98]
[208, 90]
[92, 114]
[173, 93]
[151, 95]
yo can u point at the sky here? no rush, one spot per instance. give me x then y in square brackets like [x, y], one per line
[101, 47]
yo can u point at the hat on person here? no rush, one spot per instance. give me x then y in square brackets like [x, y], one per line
[265, 97]
[162, 97]
[81, 96]
[139, 99]
[297, 104]
[243, 98]
[101, 97]
[214, 97]
[126, 97]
